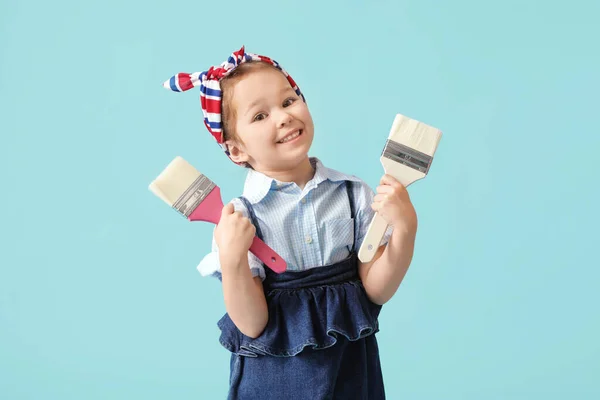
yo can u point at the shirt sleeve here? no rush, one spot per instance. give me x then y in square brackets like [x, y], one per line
[364, 195]
[210, 264]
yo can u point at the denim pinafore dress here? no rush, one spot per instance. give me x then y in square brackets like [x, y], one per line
[319, 342]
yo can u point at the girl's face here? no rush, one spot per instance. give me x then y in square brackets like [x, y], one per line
[272, 121]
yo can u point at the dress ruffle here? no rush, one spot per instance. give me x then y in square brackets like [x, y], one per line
[308, 310]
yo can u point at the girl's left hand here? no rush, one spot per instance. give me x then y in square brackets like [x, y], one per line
[393, 203]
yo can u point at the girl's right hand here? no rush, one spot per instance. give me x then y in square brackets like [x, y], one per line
[234, 234]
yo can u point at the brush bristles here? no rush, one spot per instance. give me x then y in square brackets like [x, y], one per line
[181, 186]
[415, 135]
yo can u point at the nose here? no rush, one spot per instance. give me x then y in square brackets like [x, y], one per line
[283, 118]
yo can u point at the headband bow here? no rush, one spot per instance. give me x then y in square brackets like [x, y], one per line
[211, 95]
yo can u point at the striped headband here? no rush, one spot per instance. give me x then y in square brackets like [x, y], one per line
[211, 95]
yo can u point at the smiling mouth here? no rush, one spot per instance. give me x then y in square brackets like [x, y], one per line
[291, 137]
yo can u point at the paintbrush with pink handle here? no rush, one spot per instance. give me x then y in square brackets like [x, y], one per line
[198, 198]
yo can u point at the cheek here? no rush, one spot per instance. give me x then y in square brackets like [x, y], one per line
[258, 138]
[304, 114]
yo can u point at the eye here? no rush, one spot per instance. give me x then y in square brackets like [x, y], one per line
[259, 117]
[289, 101]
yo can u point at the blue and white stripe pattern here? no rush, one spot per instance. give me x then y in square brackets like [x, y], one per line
[308, 228]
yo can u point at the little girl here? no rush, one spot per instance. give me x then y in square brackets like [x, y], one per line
[308, 333]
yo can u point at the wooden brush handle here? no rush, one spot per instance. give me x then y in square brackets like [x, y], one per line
[268, 256]
[372, 239]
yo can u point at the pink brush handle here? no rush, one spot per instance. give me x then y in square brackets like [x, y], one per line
[268, 256]
[210, 211]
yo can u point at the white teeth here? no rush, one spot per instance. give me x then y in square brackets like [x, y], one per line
[292, 136]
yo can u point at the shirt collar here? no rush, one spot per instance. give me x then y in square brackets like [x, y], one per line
[258, 185]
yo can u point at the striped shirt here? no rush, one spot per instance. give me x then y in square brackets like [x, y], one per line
[307, 227]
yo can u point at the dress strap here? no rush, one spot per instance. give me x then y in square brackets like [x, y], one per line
[252, 216]
[352, 210]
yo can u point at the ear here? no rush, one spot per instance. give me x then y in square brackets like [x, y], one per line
[236, 151]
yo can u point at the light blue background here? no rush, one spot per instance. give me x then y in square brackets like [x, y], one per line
[99, 295]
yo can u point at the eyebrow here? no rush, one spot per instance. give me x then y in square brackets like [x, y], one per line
[255, 102]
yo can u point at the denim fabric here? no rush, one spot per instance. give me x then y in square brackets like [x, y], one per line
[350, 370]
[319, 342]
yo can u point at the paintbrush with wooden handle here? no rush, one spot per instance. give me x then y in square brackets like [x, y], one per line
[407, 156]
